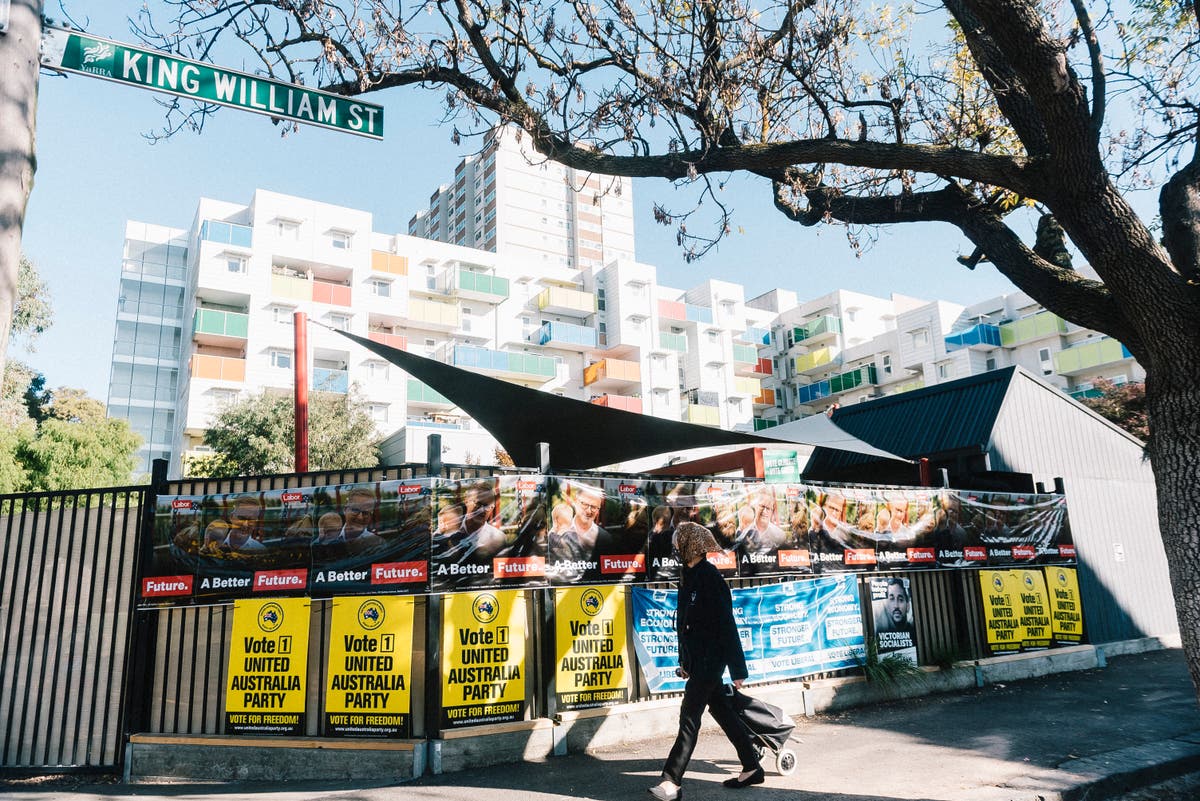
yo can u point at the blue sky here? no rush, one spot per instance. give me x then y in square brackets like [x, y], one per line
[96, 170]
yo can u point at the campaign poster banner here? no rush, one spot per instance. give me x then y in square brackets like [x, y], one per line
[1000, 591]
[268, 667]
[772, 530]
[369, 686]
[892, 610]
[308, 540]
[1014, 529]
[591, 655]
[483, 658]
[489, 532]
[1034, 609]
[599, 530]
[788, 630]
[1066, 608]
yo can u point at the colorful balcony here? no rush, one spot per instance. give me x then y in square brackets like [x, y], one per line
[621, 402]
[816, 360]
[1092, 356]
[672, 310]
[981, 336]
[746, 361]
[907, 386]
[672, 342]
[821, 329]
[421, 394]
[565, 336]
[614, 374]
[391, 340]
[291, 287]
[333, 294]
[218, 368]
[433, 315]
[762, 425]
[747, 387]
[764, 399]
[698, 314]
[481, 286]
[755, 336]
[502, 364]
[1086, 394]
[389, 263]
[1037, 326]
[561, 300]
[836, 385]
[223, 329]
[702, 415]
[325, 379]
[745, 354]
[225, 233]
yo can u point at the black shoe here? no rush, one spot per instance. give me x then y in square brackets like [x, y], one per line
[737, 783]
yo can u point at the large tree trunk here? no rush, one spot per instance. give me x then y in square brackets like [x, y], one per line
[18, 117]
[1173, 403]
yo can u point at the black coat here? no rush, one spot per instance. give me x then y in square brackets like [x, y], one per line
[708, 634]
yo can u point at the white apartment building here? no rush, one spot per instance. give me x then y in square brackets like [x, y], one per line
[511, 201]
[205, 316]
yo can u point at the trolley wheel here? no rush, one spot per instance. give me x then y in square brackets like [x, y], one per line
[785, 762]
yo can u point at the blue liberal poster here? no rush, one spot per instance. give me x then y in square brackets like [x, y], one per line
[788, 630]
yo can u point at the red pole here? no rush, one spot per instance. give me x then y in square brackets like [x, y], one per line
[300, 362]
[926, 472]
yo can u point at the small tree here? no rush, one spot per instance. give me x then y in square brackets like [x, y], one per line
[255, 436]
[1123, 404]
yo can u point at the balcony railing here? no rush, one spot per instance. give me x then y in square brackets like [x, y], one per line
[699, 314]
[703, 415]
[483, 286]
[389, 263]
[811, 361]
[325, 379]
[218, 368]
[748, 387]
[755, 336]
[675, 342]
[420, 392]
[612, 371]
[1039, 325]
[619, 402]
[981, 335]
[225, 233]
[908, 386]
[1086, 394]
[672, 310]
[566, 301]
[290, 286]
[439, 315]
[214, 322]
[765, 398]
[819, 328]
[498, 361]
[762, 425]
[333, 294]
[565, 334]
[1082, 358]
[745, 353]
[391, 340]
[835, 385]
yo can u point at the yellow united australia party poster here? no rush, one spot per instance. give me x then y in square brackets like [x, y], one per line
[369, 689]
[268, 667]
[1066, 609]
[1034, 610]
[483, 658]
[1001, 592]
[590, 640]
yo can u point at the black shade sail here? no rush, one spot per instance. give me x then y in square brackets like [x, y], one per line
[583, 435]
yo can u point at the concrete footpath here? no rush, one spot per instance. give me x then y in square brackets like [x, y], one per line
[1082, 736]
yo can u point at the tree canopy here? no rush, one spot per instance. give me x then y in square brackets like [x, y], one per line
[256, 435]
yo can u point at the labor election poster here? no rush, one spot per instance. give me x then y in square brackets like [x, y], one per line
[1001, 594]
[1066, 608]
[268, 667]
[483, 658]
[369, 686]
[1033, 608]
[591, 658]
[892, 608]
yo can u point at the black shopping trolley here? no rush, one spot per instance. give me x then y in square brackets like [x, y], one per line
[769, 728]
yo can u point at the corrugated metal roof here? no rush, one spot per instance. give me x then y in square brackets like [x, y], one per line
[947, 417]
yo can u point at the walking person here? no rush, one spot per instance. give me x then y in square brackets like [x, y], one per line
[708, 644]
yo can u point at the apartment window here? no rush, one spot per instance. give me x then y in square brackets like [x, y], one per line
[713, 336]
[281, 359]
[380, 289]
[990, 364]
[339, 321]
[235, 263]
[430, 347]
[1047, 363]
[379, 412]
[945, 370]
[377, 370]
[851, 314]
[287, 229]
[887, 364]
[223, 396]
[920, 337]
[283, 315]
[466, 319]
[341, 240]
[430, 277]
[600, 303]
[602, 334]
[660, 396]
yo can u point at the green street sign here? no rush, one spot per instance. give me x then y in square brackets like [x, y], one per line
[82, 53]
[780, 467]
